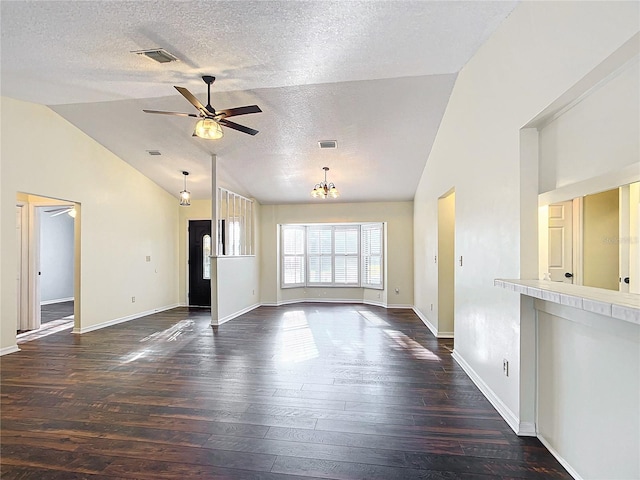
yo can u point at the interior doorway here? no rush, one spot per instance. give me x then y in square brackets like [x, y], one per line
[446, 264]
[47, 271]
[200, 252]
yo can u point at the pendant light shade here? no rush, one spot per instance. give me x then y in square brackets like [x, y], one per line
[185, 195]
[208, 129]
[324, 189]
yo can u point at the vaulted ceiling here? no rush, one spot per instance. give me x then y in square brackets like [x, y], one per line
[373, 75]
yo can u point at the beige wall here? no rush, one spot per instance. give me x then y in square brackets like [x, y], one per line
[601, 220]
[443, 319]
[125, 217]
[399, 261]
[539, 52]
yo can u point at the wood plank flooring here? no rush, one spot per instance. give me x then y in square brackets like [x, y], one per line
[304, 391]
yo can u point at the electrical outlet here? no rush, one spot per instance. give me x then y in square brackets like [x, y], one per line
[505, 367]
[133, 299]
[148, 258]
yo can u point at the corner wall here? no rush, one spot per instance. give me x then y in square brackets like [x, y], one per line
[125, 218]
[537, 54]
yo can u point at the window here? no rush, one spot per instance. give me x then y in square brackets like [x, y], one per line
[293, 258]
[235, 224]
[372, 255]
[331, 255]
[206, 257]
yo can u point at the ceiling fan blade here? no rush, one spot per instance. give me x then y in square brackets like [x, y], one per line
[193, 100]
[232, 112]
[235, 126]
[172, 113]
[59, 211]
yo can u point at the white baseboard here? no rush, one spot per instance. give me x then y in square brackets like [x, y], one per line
[426, 321]
[56, 300]
[116, 321]
[504, 411]
[561, 460]
[430, 325]
[527, 429]
[374, 303]
[398, 305]
[222, 320]
[8, 350]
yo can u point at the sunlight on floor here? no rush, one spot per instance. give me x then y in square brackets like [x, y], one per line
[373, 319]
[402, 342]
[172, 333]
[297, 343]
[46, 329]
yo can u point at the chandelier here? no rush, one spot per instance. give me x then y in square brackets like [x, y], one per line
[324, 189]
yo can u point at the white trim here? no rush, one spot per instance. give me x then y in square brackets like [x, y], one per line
[397, 305]
[116, 321]
[503, 410]
[56, 300]
[527, 429]
[445, 335]
[222, 320]
[374, 303]
[426, 321]
[8, 350]
[558, 457]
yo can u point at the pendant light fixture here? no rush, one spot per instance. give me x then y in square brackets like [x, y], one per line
[185, 195]
[324, 189]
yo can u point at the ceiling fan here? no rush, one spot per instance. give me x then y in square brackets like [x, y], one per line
[209, 125]
[61, 211]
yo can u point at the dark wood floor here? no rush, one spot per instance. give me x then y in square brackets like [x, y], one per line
[55, 311]
[297, 392]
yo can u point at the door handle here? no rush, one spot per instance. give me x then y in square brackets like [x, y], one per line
[568, 275]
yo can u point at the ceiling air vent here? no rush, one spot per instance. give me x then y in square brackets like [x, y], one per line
[157, 54]
[328, 144]
[154, 152]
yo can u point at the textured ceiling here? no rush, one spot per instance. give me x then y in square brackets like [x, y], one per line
[375, 76]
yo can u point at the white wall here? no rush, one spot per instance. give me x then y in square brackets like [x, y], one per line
[56, 256]
[537, 54]
[589, 391]
[399, 245]
[597, 135]
[124, 218]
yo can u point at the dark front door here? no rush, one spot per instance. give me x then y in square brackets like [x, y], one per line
[200, 248]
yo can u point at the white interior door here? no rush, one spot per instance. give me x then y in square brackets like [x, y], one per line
[634, 238]
[19, 275]
[561, 242]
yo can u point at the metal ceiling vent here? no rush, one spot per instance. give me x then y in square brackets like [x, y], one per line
[159, 55]
[154, 152]
[328, 144]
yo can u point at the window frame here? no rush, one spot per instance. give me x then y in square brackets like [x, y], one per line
[375, 226]
[307, 256]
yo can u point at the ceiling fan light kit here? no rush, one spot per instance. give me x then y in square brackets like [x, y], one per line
[211, 121]
[185, 195]
[208, 129]
[324, 189]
